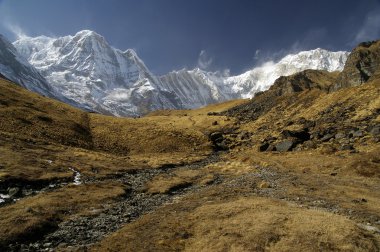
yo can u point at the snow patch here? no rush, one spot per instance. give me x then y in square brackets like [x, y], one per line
[77, 176]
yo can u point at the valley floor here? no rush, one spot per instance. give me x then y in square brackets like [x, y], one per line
[196, 180]
[240, 201]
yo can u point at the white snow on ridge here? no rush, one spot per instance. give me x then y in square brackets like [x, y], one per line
[262, 77]
[85, 70]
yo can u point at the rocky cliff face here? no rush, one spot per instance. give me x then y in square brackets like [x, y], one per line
[361, 65]
[305, 80]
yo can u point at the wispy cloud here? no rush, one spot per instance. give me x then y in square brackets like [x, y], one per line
[7, 22]
[370, 30]
[17, 31]
[257, 54]
[311, 39]
[204, 60]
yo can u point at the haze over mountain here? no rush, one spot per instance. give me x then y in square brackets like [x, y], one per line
[93, 75]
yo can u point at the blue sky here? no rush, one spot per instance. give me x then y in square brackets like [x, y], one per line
[212, 34]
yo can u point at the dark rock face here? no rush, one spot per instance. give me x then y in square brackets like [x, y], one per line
[301, 135]
[216, 136]
[283, 87]
[362, 64]
[264, 146]
[218, 141]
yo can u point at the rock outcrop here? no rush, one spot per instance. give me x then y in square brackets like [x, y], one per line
[362, 64]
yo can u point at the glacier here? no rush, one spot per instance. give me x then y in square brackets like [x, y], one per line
[87, 71]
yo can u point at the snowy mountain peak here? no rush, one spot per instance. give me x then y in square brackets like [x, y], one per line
[85, 69]
[86, 33]
[131, 53]
[96, 76]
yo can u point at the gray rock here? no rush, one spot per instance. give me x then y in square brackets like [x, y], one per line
[309, 144]
[340, 135]
[284, 146]
[14, 192]
[346, 147]
[302, 135]
[327, 137]
[357, 133]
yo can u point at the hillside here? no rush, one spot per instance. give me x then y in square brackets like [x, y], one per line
[296, 168]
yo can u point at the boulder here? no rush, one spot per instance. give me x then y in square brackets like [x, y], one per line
[357, 133]
[340, 135]
[310, 144]
[14, 192]
[301, 135]
[264, 146]
[327, 137]
[285, 145]
[346, 147]
[216, 136]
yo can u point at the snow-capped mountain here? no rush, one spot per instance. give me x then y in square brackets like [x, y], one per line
[98, 77]
[17, 69]
[85, 69]
[196, 88]
[260, 78]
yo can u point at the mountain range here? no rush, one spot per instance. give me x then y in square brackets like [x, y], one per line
[85, 71]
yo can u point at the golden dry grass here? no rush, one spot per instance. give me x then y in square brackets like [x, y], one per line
[35, 116]
[217, 107]
[257, 224]
[32, 217]
[36, 129]
[218, 217]
[239, 224]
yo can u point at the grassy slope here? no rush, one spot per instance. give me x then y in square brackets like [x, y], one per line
[314, 195]
[35, 129]
[40, 139]
[309, 209]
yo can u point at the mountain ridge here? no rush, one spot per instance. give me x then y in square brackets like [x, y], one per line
[95, 76]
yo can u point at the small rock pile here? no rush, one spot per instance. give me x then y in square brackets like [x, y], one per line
[313, 134]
